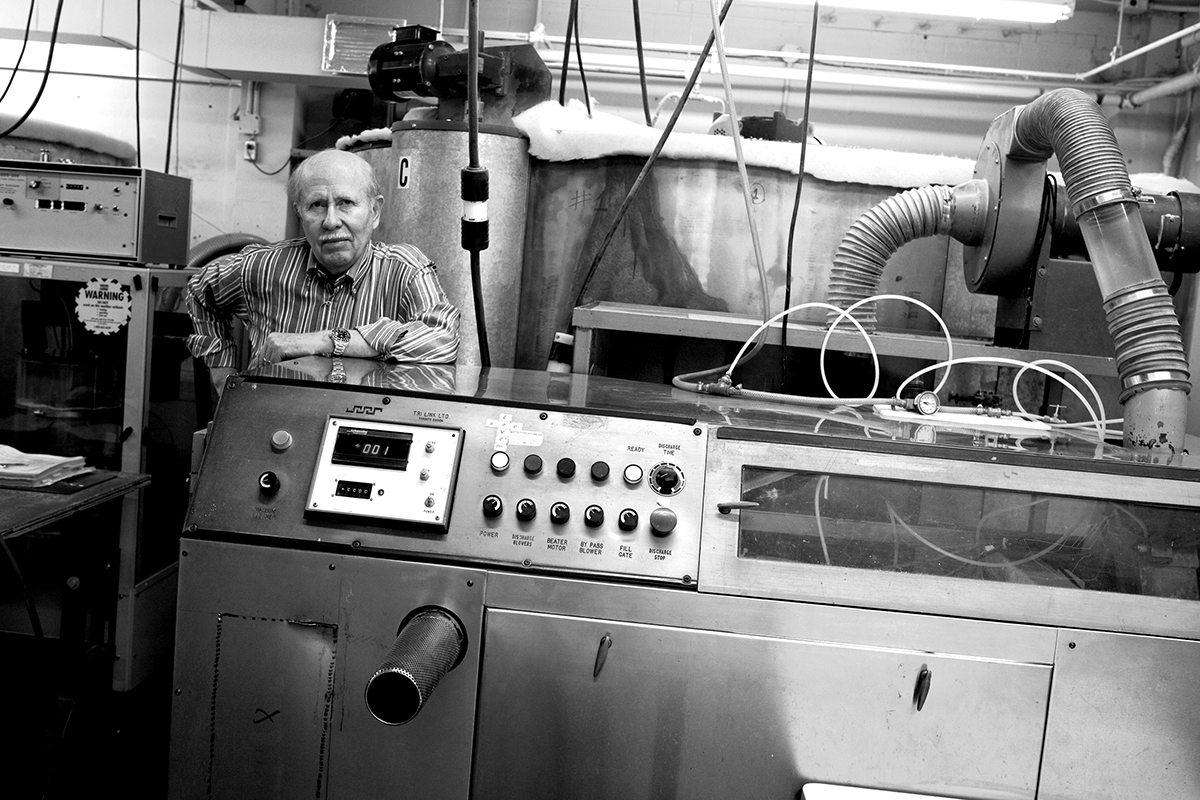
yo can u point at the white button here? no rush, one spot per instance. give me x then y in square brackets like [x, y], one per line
[280, 441]
[633, 474]
[500, 461]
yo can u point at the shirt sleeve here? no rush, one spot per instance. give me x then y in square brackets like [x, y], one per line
[214, 296]
[428, 328]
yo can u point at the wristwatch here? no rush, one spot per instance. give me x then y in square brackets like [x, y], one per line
[341, 338]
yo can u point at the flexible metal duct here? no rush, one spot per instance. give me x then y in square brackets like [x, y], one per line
[1151, 363]
[875, 236]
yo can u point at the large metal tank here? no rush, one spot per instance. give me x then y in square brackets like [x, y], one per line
[685, 243]
[420, 177]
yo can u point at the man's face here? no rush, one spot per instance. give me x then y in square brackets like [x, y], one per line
[337, 215]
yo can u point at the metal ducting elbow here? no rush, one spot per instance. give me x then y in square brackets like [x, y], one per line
[875, 237]
[1151, 362]
[996, 216]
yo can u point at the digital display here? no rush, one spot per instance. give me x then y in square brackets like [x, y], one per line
[360, 447]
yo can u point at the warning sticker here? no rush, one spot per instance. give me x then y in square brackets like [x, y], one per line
[103, 305]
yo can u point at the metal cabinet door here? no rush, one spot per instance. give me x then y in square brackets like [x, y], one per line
[274, 649]
[686, 713]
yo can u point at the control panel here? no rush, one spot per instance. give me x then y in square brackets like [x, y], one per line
[539, 488]
[387, 471]
[112, 213]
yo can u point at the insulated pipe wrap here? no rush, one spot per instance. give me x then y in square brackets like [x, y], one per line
[874, 237]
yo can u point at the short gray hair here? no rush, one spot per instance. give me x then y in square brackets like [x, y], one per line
[351, 161]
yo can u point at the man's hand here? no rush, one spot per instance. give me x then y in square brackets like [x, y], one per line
[218, 376]
[282, 346]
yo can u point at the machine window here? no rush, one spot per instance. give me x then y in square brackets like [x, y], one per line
[969, 532]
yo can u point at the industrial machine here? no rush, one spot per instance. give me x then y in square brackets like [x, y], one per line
[454, 582]
[96, 366]
[477, 243]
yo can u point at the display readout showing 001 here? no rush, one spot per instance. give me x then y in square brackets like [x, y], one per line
[360, 447]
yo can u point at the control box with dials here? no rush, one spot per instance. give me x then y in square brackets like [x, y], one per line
[386, 471]
[557, 489]
[118, 214]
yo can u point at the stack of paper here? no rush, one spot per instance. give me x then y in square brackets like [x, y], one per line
[31, 470]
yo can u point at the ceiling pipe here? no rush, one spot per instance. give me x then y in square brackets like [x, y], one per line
[538, 36]
[1168, 88]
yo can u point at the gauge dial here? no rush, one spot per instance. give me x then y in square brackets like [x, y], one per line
[927, 403]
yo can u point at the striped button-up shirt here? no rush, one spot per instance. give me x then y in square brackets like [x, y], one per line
[392, 297]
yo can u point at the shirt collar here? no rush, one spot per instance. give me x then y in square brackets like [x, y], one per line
[352, 276]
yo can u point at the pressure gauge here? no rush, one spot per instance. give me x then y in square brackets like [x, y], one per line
[927, 403]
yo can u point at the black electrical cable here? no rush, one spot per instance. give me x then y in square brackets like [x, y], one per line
[662, 141]
[573, 36]
[137, 85]
[276, 171]
[45, 73]
[787, 286]
[485, 353]
[21, 55]
[303, 142]
[641, 57]
[587, 97]
[566, 62]
[1176, 283]
[174, 86]
[475, 186]
[473, 86]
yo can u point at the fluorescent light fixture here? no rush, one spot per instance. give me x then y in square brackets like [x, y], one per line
[1007, 10]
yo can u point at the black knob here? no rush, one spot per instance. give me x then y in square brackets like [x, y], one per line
[560, 513]
[627, 520]
[566, 467]
[526, 509]
[268, 483]
[600, 471]
[666, 479]
[593, 516]
[493, 506]
[533, 464]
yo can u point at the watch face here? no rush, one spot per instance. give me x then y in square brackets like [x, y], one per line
[341, 338]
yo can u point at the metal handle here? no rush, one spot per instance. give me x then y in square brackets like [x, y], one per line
[725, 508]
[922, 691]
[601, 655]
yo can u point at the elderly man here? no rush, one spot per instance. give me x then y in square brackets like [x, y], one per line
[334, 292]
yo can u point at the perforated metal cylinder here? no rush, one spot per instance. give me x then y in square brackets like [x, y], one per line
[430, 643]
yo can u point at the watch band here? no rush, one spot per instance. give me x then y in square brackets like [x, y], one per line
[337, 373]
[341, 338]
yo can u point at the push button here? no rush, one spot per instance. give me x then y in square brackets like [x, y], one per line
[663, 521]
